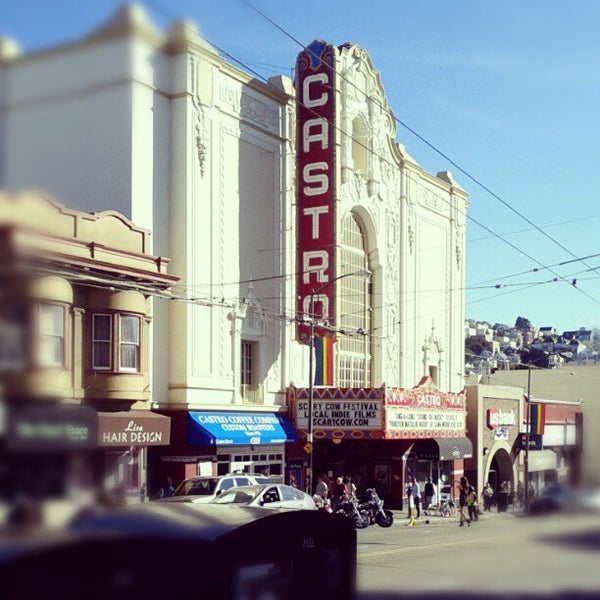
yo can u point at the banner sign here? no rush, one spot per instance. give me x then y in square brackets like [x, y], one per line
[423, 420]
[315, 116]
[341, 415]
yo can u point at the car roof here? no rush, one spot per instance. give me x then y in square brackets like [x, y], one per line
[256, 488]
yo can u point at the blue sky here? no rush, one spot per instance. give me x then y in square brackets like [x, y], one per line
[508, 90]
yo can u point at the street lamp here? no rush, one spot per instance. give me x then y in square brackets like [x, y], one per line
[309, 433]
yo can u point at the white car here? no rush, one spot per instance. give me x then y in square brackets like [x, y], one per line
[267, 496]
[205, 489]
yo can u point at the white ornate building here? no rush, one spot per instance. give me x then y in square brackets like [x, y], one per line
[166, 131]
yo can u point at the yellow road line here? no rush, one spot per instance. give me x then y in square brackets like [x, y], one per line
[430, 546]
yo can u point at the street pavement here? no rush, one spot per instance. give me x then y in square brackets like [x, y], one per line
[501, 555]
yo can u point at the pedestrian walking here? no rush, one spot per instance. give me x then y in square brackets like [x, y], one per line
[416, 495]
[429, 493]
[321, 488]
[463, 495]
[521, 494]
[488, 496]
[472, 504]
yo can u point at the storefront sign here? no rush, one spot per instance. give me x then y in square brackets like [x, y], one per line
[237, 428]
[497, 416]
[130, 428]
[424, 398]
[341, 415]
[423, 420]
[41, 428]
[315, 110]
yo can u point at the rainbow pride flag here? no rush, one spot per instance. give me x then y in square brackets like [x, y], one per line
[323, 360]
[537, 419]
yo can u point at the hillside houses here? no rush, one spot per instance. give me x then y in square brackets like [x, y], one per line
[501, 347]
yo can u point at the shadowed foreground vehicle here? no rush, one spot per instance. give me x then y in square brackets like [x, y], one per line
[201, 551]
[267, 496]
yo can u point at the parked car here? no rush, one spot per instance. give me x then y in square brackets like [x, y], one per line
[559, 498]
[267, 496]
[555, 498]
[205, 489]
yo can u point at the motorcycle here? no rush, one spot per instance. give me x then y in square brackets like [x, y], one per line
[348, 507]
[373, 509]
[322, 504]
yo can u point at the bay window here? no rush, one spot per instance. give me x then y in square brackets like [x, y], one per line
[116, 341]
[51, 335]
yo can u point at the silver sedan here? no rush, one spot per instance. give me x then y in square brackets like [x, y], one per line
[267, 496]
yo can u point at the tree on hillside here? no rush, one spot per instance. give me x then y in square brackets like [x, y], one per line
[476, 345]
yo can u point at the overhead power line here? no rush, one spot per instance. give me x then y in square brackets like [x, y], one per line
[441, 153]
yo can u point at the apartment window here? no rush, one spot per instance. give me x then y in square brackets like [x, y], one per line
[116, 341]
[14, 323]
[247, 356]
[101, 341]
[129, 346]
[52, 335]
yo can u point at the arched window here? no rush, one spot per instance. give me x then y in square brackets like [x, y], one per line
[354, 349]
[359, 146]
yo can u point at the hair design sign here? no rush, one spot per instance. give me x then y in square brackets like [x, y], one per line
[315, 110]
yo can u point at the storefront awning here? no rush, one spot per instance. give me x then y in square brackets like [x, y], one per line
[133, 428]
[453, 448]
[238, 428]
[541, 460]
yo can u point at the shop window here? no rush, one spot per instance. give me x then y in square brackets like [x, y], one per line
[51, 335]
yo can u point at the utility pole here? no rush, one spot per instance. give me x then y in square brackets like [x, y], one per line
[528, 426]
[309, 432]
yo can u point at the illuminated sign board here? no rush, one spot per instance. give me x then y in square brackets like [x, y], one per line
[315, 94]
[497, 417]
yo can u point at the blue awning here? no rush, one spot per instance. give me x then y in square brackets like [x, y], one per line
[237, 428]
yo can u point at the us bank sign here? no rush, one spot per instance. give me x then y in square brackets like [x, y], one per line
[315, 93]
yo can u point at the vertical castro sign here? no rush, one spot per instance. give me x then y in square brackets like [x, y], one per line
[315, 110]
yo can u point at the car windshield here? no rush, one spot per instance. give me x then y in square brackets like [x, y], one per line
[237, 496]
[197, 487]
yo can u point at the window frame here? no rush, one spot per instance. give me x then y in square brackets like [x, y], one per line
[41, 335]
[121, 343]
[110, 342]
[116, 343]
[247, 363]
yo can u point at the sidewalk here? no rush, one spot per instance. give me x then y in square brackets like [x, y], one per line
[402, 515]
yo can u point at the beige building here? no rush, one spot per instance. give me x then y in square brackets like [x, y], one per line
[75, 329]
[569, 383]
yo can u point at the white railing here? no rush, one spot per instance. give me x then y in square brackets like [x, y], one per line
[252, 394]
